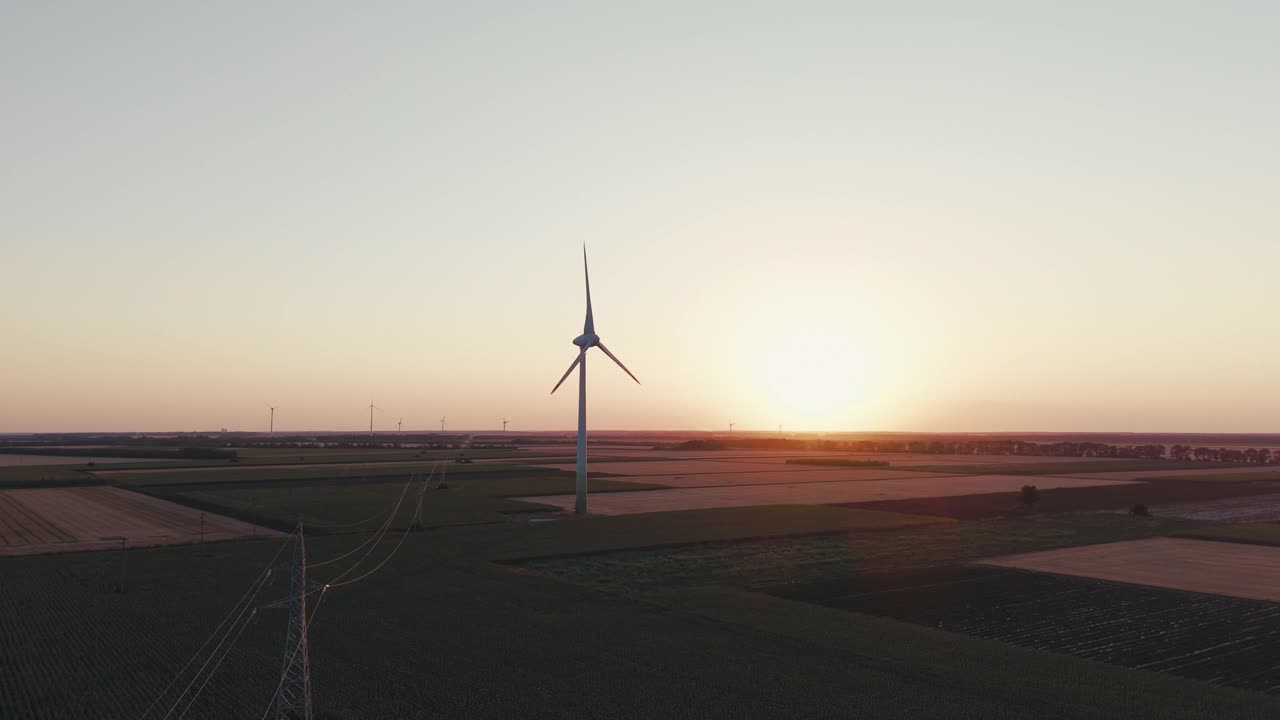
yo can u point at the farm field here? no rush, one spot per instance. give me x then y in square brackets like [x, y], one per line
[258, 474]
[777, 477]
[1219, 640]
[9, 460]
[1248, 509]
[775, 561]
[1219, 474]
[818, 493]
[74, 519]
[1101, 468]
[1204, 566]
[340, 506]
[1074, 499]
[665, 467]
[705, 655]
[1257, 533]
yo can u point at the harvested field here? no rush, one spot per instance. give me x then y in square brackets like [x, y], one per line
[1073, 499]
[73, 519]
[1246, 571]
[812, 493]
[1219, 640]
[1248, 509]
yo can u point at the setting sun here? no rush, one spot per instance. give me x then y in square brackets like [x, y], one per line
[814, 379]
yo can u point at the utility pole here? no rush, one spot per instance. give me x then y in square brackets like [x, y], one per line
[293, 698]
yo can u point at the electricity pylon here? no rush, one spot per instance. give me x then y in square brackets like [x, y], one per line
[293, 698]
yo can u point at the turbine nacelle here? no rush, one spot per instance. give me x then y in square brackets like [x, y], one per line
[587, 340]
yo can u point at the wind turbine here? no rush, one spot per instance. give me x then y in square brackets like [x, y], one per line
[372, 407]
[441, 423]
[272, 426]
[731, 428]
[504, 424]
[399, 423]
[587, 340]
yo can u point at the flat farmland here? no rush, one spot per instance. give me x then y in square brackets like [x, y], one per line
[1204, 474]
[1203, 566]
[1248, 509]
[8, 460]
[1220, 640]
[1075, 499]
[667, 467]
[778, 477]
[73, 519]
[811, 493]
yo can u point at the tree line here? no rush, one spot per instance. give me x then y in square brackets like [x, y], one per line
[1259, 456]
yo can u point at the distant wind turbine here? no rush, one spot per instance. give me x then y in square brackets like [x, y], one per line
[399, 423]
[441, 423]
[731, 428]
[271, 429]
[587, 340]
[504, 424]
[372, 407]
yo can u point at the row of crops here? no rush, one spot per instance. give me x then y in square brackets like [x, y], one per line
[1220, 640]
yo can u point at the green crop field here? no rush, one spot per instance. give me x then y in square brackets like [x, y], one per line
[1252, 533]
[796, 559]
[257, 474]
[838, 462]
[46, 476]
[469, 498]
[1071, 467]
[438, 631]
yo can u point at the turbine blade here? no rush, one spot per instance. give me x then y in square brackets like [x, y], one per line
[590, 325]
[611, 357]
[566, 372]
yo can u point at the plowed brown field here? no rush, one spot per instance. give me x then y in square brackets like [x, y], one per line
[81, 518]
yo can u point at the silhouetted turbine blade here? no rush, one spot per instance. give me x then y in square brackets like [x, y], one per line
[566, 372]
[611, 357]
[590, 325]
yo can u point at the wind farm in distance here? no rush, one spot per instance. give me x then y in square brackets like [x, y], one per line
[932, 351]
[846, 548]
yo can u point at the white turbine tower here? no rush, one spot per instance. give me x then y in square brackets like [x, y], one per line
[271, 428]
[587, 340]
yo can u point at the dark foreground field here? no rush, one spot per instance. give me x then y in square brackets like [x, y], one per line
[442, 632]
[1216, 639]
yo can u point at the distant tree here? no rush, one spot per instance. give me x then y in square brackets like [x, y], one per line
[1030, 495]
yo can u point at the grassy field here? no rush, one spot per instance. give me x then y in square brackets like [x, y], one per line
[435, 633]
[46, 476]
[328, 507]
[258, 474]
[594, 534]
[1069, 500]
[804, 559]
[1070, 467]
[1251, 533]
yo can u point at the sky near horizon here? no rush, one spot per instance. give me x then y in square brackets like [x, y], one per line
[928, 216]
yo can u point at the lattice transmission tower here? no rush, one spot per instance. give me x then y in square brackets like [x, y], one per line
[293, 698]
